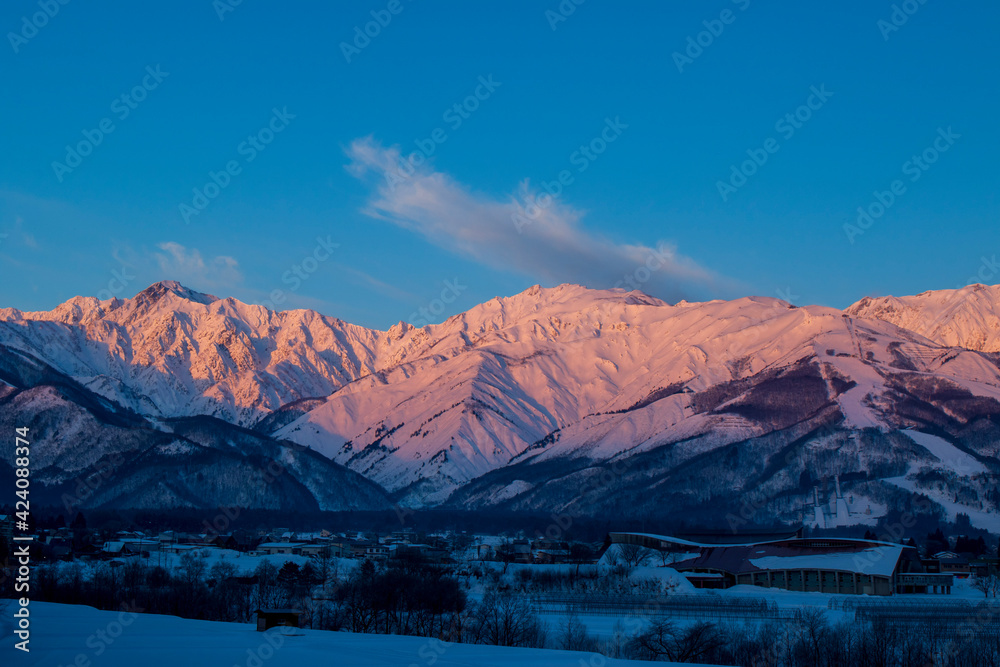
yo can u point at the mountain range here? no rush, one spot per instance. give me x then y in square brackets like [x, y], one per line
[565, 400]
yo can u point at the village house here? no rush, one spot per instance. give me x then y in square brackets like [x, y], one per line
[57, 548]
[377, 551]
[118, 548]
[984, 567]
[549, 552]
[271, 548]
[356, 548]
[337, 549]
[522, 552]
[957, 566]
[312, 549]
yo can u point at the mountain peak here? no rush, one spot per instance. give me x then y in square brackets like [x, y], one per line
[160, 289]
[966, 317]
[572, 292]
[552, 377]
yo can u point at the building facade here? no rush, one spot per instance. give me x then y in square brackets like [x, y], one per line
[825, 565]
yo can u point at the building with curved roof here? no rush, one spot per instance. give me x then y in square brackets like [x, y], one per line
[820, 564]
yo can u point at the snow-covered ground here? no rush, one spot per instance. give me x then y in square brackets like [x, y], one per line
[966, 317]
[948, 454]
[607, 626]
[77, 635]
[954, 459]
[245, 564]
[980, 519]
[961, 591]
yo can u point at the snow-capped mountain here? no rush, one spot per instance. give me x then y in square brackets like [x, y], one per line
[968, 317]
[566, 398]
[172, 352]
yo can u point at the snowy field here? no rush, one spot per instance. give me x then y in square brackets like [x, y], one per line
[244, 563]
[605, 626]
[64, 635]
[950, 456]
[953, 459]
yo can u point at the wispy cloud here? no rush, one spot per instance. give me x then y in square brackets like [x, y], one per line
[552, 247]
[375, 284]
[18, 233]
[187, 266]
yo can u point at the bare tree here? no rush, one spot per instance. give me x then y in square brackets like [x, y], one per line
[612, 557]
[988, 585]
[505, 554]
[573, 635]
[617, 645]
[669, 557]
[664, 640]
[327, 566]
[506, 620]
[268, 591]
[580, 554]
[633, 555]
[812, 623]
[192, 567]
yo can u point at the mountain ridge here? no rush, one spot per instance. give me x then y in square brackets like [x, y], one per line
[564, 376]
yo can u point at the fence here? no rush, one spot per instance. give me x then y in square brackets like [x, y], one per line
[950, 616]
[683, 606]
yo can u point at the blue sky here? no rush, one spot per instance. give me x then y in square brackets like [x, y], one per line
[331, 191]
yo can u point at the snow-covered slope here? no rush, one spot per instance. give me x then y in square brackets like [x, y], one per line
[61, 634]
[171, 351]
[84, 455]
[968, 317]
[521, 400]
[568, 372]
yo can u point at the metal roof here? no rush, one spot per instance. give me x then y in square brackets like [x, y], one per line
[750, 543]
[874, 560]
